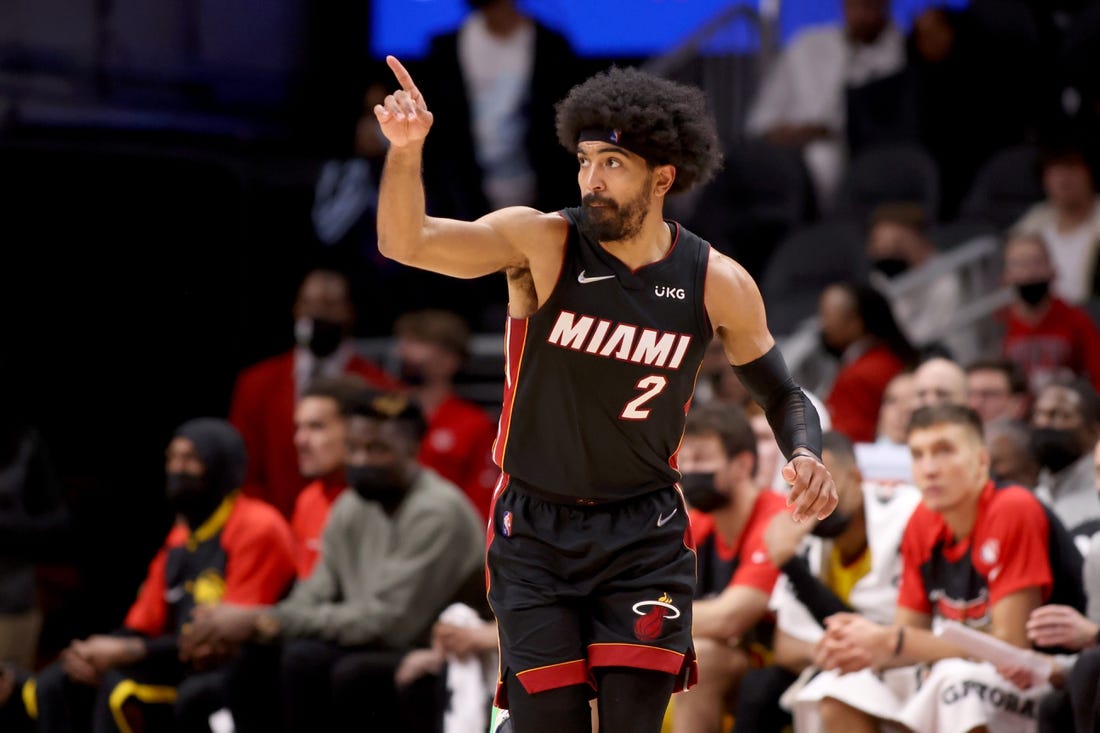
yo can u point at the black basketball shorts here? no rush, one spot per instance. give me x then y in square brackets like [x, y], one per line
[580, 586]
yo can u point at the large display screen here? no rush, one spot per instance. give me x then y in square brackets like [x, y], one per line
[612, 28]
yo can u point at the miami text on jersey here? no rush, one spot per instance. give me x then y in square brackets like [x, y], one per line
[623, 341]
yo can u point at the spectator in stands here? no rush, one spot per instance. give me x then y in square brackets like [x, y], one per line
[1012, 460]
[395, 551]
[848, 564]
[898, 402]
[1068, 220]
[999, 541]
[858, 326]
[224, 547]
[264, 396]
[1043, 333]
[496, 80]
[1076, 703]
[735, 579]
[897, 243]
[35, 525]
[939, 381]
[1065, 425]
[997, 389]
[320, 439]
[801, 101]
[346, 192]
[965, 112]
[432, 346]
[887, 458]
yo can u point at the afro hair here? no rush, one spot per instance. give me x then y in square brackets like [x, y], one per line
[665, 122]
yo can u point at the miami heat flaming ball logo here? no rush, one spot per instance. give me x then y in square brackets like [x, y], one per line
[653, 615]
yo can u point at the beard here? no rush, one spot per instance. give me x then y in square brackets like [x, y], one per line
[612, 222]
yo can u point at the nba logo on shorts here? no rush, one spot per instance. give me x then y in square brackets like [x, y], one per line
[507, 529]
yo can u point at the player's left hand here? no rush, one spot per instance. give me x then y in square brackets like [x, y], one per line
[1058, 625]
[813, 492]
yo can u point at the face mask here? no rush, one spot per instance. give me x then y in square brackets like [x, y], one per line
[320, 335]
[832, 525]
[189, 497]
[1055, 449]
[700, 492]
[891, 267]
[383, 484]
[829, 348]
[1033, 293]
[412, 374]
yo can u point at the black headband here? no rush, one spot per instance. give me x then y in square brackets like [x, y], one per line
[616, 136]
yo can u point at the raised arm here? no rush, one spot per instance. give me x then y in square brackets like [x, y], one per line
[408, 235]
[736, 311]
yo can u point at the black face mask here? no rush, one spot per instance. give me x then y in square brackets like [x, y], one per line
[189, 497]
[1055, 449]
[828, 348]
[832, 525]
[700, 492]
[411, 374]
[383, 484]
[320, 335]
[891, 267]
[1033, 293]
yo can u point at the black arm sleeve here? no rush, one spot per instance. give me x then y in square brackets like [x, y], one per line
[793, 417]
[815, 596]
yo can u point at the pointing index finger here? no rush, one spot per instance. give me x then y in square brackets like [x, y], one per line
[404, 78]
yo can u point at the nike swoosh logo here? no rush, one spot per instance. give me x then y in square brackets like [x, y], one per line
[662, 520]
[585, 280]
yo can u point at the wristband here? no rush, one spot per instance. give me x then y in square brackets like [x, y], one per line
[900, 642]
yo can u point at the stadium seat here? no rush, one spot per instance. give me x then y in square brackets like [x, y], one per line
[889, 173]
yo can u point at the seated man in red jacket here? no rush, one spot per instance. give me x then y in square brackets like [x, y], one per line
[266, 393]
[730, 512]
[223, 547]
[432, 346]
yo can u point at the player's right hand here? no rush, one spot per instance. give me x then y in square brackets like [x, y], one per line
[403, 115]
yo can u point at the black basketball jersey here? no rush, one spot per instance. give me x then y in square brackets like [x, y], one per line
[599, 379]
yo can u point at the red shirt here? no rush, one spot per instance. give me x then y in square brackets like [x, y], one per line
[745, 562]
[308, 521]
[244, 553]
[1007, 551]
[262, 410]
[1065, 337]
[459, 446]
[854, 400]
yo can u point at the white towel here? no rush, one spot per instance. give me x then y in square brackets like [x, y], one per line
[470, 681]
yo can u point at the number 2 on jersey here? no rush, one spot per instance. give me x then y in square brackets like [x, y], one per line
[652, 385]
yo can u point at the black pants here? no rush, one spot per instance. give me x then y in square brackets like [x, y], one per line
[758, 696]
[158, 694]
[323, 686]
[1084, 691]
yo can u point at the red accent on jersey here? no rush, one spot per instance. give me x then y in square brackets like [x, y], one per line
[640, 656]
[515, 338]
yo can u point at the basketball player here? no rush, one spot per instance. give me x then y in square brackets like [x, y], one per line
[590, 564]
